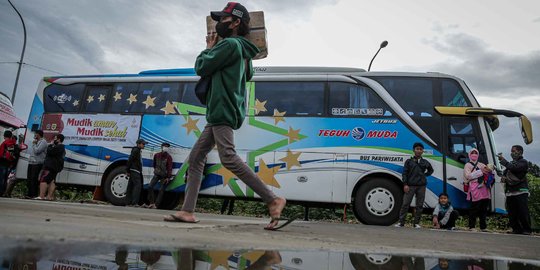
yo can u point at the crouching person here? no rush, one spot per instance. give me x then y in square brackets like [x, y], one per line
[162, 173]
[444, 215]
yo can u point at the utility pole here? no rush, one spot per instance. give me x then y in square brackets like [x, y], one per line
[22, 55]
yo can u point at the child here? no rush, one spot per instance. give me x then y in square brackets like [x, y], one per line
[444, 215]
[488, 177]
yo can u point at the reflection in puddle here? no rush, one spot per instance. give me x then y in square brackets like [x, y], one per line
[189, 259]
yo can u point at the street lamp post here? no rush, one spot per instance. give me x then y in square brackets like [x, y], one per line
[22, 54]
[383, 44]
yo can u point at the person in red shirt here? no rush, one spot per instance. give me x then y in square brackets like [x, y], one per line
[8, 158]
[162, 173]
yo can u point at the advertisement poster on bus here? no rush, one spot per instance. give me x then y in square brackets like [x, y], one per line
[96, 129]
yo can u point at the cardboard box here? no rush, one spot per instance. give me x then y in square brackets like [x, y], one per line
[257, 34]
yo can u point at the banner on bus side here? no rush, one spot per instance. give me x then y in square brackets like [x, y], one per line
[97, 129]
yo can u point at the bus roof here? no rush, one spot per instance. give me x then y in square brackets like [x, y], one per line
[266, 70]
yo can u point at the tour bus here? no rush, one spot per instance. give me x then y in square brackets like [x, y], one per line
[315, 135]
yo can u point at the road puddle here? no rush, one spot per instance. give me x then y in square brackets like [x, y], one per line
[107, 257]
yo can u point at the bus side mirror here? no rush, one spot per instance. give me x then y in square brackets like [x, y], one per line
[526, 129]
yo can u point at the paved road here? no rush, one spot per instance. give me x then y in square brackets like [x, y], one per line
[28, 221]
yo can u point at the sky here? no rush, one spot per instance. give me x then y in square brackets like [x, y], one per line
[493, 45]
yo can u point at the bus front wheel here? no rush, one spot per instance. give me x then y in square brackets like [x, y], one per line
[116, 185]
[377, 202]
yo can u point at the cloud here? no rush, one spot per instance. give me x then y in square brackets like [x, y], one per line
[536, 20]
[508, 134]
[489, 71]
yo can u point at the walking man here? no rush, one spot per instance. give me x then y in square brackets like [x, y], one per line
[37, 151]
[517, 191]
[162, 173]
[415, 173]
[134, 172]
[228, 62]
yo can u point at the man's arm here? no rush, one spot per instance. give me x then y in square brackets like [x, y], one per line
[130, 161]
[169, 166]
[405, 174]
[211, 60]
[429, 169]
[516, 167]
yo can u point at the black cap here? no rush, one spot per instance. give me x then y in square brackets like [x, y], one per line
[139, 141]
[231, 9]
[166, 144]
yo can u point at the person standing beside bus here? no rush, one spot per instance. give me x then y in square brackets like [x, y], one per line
[228, 62]
[415, 173]
[517, 190]
[478, 194]
[37, 151]
[52, 165]
[163, 164]
[8, 159]
[134, 172]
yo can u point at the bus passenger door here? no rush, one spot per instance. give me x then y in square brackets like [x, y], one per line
[462, 135]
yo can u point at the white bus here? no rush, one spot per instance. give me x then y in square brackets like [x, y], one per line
[314, 135]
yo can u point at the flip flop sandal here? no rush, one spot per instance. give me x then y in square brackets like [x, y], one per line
[287, 222]
[174, 218]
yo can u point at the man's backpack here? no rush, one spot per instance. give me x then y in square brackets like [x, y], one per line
[160, 168]
[11, 153]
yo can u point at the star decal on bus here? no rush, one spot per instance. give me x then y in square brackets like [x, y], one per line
[132, 98]
[278, 116]
[169, 108]
[293, 135]
[191, 125]
[117, 96]
[219, 258]
[226, 174]
[101, 98]
[149, 102]
[267, 175]
[259, 106]
[291, 159]
[90, 99]
[76, 103]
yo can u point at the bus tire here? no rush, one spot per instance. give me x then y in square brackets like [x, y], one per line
[115, 186]
[374, 261]
[377, 202]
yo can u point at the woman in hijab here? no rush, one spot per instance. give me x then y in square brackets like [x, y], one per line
[479, 194]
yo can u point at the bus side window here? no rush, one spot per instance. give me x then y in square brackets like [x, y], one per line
[124, 98]
[294, 98]
[348, 99]
[155, 96]
[452, 94]
[189, 97]
[463, 135]
[96, 99]
[63, 98]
